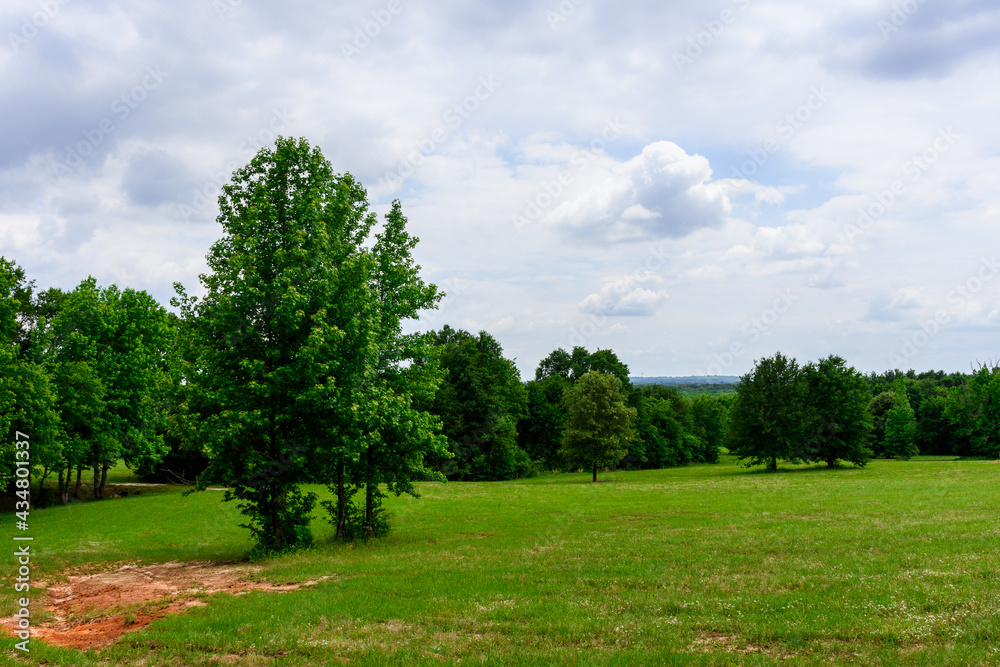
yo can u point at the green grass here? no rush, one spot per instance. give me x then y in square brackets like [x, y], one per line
[896, 563]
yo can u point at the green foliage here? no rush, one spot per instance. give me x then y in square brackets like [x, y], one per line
[598, 428]
[672, 431]
[770, 418]
[900, 425]
[878, 408]
[710, 413]
[973, 412]
[479, 403]
[838, 399]
[278, 350]
[294, 366]
[27, 402]
[574, 365]
[540, 430]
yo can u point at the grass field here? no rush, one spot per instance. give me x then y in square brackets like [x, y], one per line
[896, 563]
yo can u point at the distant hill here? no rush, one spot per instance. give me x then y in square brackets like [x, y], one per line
[689, 379]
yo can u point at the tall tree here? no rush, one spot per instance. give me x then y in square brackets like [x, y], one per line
[280, 348]
[27, 403]
[838, 399]
[770, 415]
[599, 425]
[407, 372]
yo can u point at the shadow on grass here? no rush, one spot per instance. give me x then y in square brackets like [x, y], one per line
[758, 470]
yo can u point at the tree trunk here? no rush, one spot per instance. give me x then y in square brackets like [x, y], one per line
[595, 473]
[63, 489]
[341, 508]
[97, 480]
[774, 463]
[830, 462]
[79, 481]
[104, 476]
[41, 485]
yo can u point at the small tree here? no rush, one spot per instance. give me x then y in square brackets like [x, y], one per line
[900, 425]
[598, 427]
[770, 416]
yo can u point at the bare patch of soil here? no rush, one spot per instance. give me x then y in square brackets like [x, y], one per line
[92, 610]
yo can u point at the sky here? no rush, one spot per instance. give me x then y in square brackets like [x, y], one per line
[694, 185]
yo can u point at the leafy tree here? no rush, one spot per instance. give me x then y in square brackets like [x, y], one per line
[574, 365]
[973, 411]
[279, 351]
[662, 441]
[899, 425]
[540, 430]
[770, 416]
[599, 425]
[668, 432]
[27, 403]
[294, 364]
[479, 402]
[122, 336]
[407, 372]
[838, 397]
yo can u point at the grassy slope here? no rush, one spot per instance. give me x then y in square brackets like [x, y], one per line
[896, 563]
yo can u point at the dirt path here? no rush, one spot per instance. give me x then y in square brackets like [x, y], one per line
[93, 610]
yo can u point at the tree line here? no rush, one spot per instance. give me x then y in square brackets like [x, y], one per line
[292, 366]
[829, 412]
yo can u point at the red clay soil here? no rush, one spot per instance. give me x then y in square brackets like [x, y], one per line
[95, 609]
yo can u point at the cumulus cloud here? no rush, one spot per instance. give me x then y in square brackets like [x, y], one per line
[635, 295]
[662, 192]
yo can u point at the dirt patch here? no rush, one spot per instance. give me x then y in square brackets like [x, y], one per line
[92, 610]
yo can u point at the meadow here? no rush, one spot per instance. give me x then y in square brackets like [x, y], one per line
[895, 563]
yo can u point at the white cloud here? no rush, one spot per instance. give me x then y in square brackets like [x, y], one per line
[662, 192]
[635, 295]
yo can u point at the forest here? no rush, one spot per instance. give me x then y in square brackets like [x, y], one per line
[293, 367]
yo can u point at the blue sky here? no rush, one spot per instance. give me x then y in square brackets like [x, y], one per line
[694, 185]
